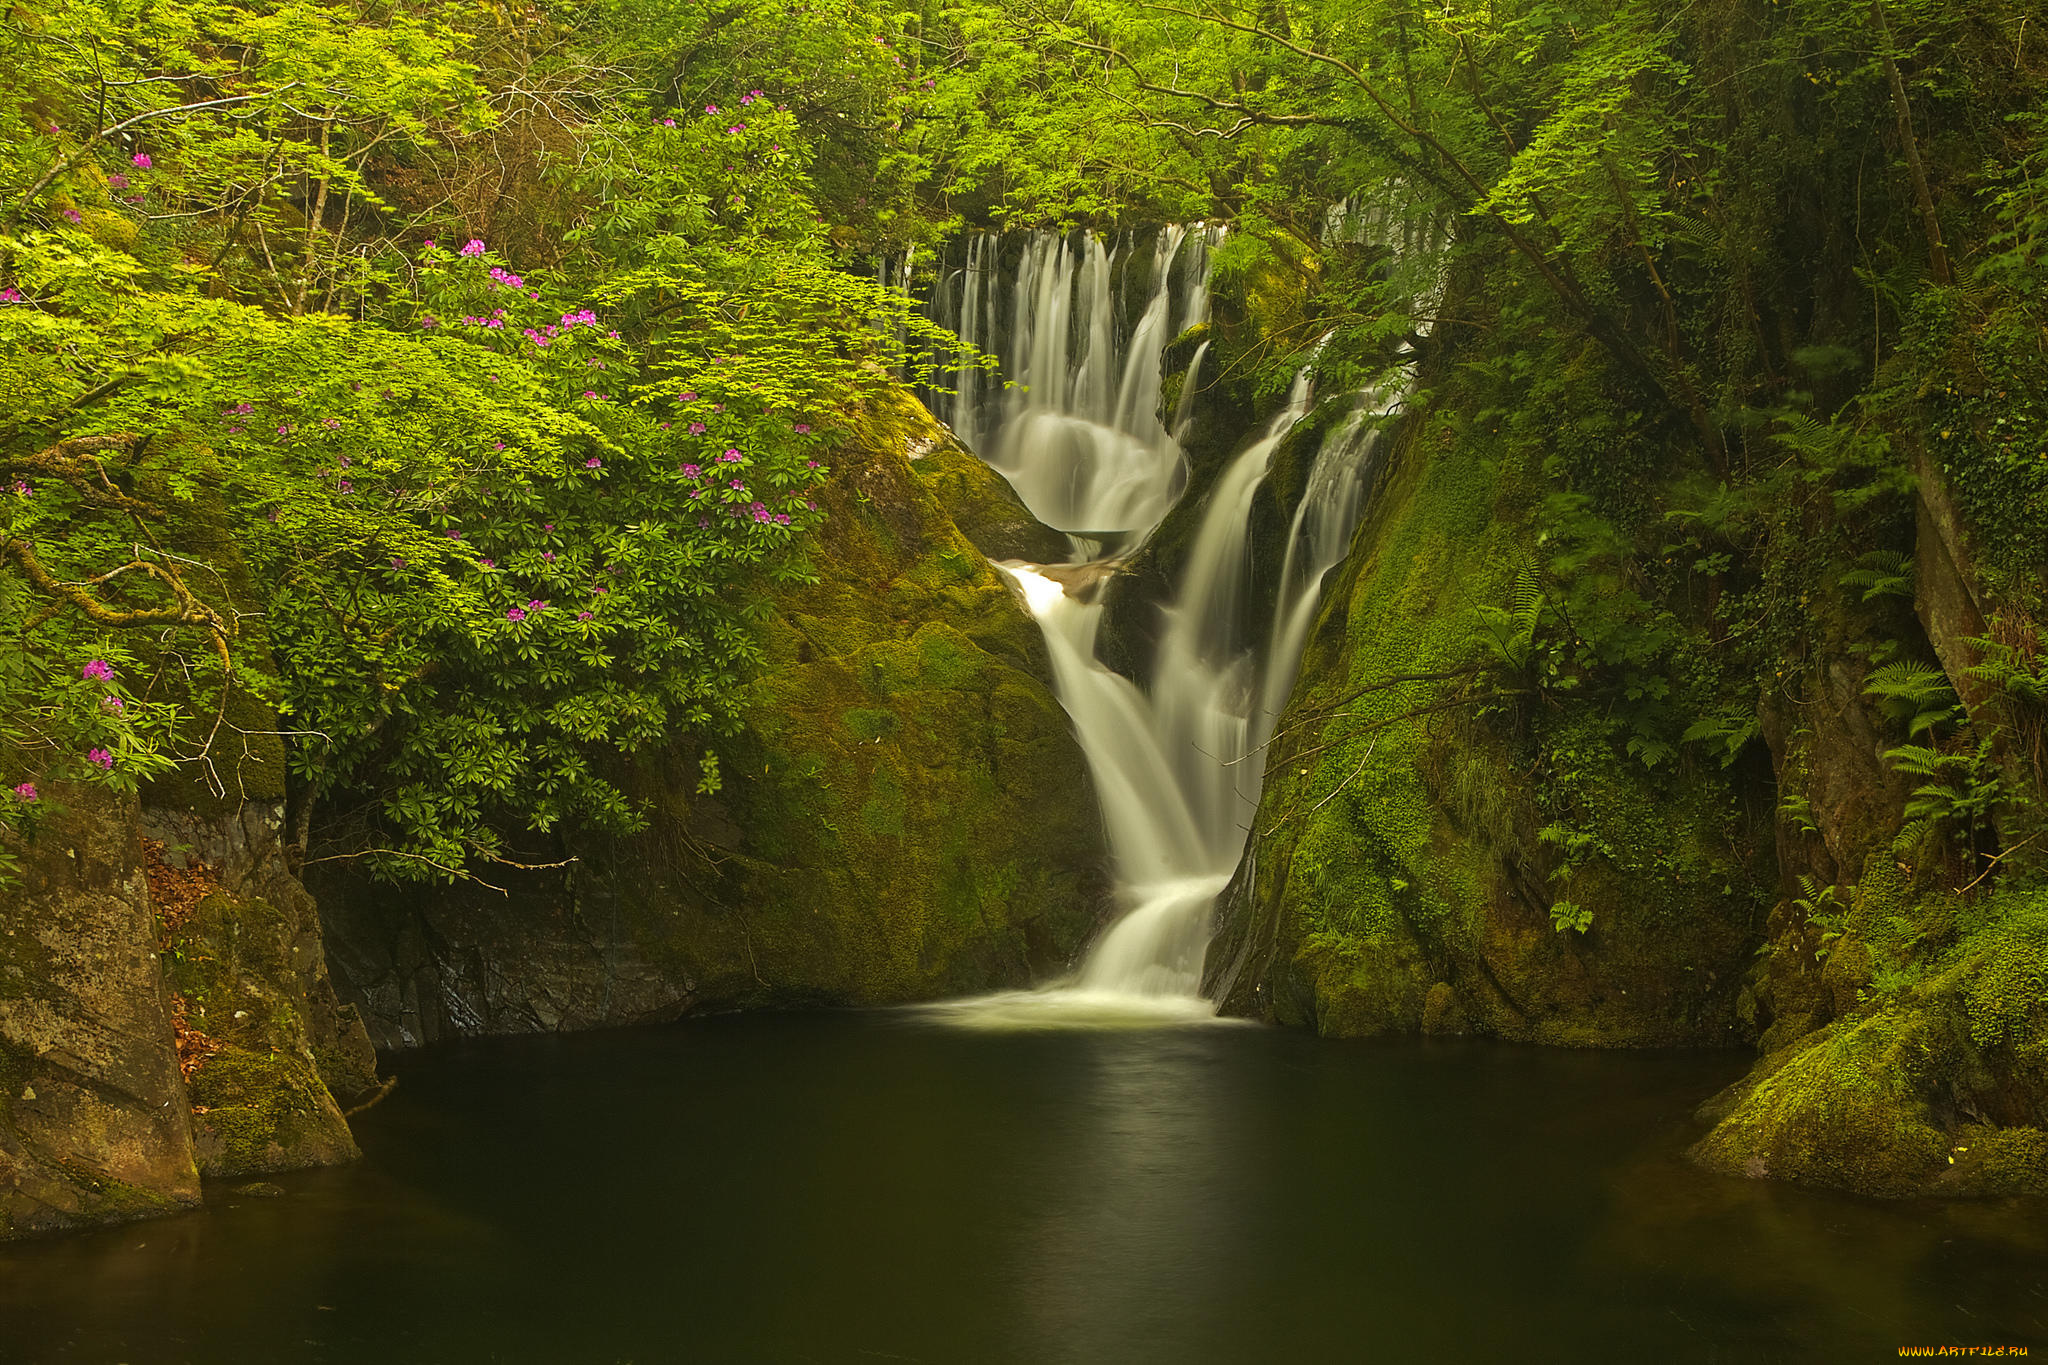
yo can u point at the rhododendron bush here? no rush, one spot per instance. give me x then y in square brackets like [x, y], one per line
[469, 519]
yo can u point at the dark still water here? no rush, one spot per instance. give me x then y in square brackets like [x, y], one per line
[876, 1188]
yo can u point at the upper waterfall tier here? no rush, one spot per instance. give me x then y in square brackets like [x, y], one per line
[1078, 324]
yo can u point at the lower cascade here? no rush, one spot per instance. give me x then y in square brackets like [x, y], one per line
[1080, 436]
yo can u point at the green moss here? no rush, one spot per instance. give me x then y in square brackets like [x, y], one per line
[1843, 1111]
[258, 1112]
[1997, 1162]
[267, 1108]
[1404, 836]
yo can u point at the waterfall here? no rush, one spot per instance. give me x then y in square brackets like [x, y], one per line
[1319, 539]
[1079, 433]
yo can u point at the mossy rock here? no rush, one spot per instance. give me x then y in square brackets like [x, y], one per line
[92, 1121]
[1937, 1087]
[259, 1103]
[254, 1113]
[1843, 1111]
[984, 506]
[1400, 851]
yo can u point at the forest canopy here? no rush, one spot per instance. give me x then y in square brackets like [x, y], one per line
[449, 379]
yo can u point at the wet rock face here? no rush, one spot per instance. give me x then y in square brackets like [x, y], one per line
[1398, 883]
[462, 962]
[905, 815]
[93, 1117]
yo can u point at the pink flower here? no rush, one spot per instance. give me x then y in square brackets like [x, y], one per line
[117, 181]
[593, 463]
[782, 518]
[397, 563]
[515, 614]
[589, 393]
[548, 556]
[668, 123]
[547, 526]
[25, 792]
[10, 296]
[101, 759]
[810, 464]
[142, 162]
[98, 670]
[73, 215]
[430, 243]
[487, 563]
[584, 615]
[473, 247]
[691, 471]
[689, 396]
[740, 484]
[536, 606]
[803, 428]
[345, 486]
[455, 535]
[697, 428]
[710, 108]
[113, 706]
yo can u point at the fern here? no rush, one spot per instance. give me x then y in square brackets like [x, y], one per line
[1798, 808]
[2019, 674]
[1881, 573]
[1509, 633]
[1726, 733]
[1914, 694]
[1824, 909]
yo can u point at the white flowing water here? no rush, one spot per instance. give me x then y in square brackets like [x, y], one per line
[1080, 437]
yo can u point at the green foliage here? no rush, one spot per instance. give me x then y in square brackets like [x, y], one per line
[1881, 573]
[1917, 696]
[1824, 910]
[493, 529]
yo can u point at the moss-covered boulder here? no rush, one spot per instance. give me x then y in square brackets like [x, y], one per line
[259, 1103]
[93, 1125]
[905, 815]
[1934, 1081]
[982, 504]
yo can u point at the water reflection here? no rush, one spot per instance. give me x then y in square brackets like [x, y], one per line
[850, 1188]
